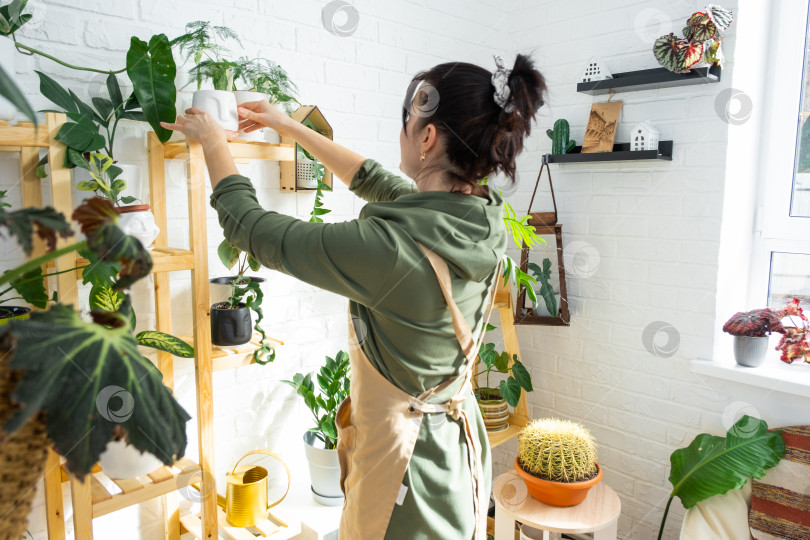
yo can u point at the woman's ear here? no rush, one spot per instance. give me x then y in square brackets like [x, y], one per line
[430, 138]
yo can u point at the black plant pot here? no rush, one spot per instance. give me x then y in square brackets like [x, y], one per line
[13, 312]
[230, 327]
[221, 286]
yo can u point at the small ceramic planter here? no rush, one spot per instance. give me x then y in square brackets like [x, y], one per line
[138, 221]
[494, 410]
[558, 493]
[324, 471]
[304, 175]
[750, 351]
[230, 327]
[121, 460]
[260, 135]
[220, 104]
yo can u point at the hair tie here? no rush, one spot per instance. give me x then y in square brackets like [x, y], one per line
[500, 80]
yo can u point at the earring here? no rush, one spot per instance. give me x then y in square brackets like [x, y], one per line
[422, 157]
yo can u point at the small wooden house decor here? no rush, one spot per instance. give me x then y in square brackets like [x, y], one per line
[643, 137]
[595, 71]
[297, 175]
[545, 224]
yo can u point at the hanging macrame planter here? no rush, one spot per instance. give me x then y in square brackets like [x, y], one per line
[545, 224]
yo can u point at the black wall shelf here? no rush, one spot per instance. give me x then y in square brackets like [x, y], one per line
[651, 79]
[621, 152]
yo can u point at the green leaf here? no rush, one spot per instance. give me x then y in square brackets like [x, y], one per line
[12, 17]
[114, 90]
[152, 70]
[128, 199]
[56, 93]
[228, 254]
[502, 362]
[104, 298]
[87, 185]
[713, 465]
[103, 106]
[10, 91]
[521, 374]
[165, 342]
[47, 222]
[77, 159]
[254, 264]
[31, 286]
[82, 135]
[510, 391]
[91, 380]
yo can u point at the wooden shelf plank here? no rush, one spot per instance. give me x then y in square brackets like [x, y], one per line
[241, 355]
[621, 152]
[240, 150]
[650, 79]
[516, 423]
[23, 134]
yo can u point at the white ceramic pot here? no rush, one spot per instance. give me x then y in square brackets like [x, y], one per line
[540, 309]
[750, 351]
[324, 471]
[220, 104]
[121, 460]
[305, 179]
[260, 135]
[138, 221]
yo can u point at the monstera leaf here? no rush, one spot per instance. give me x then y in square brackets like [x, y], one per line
[151, 69]
[713, 465]
[92, 382]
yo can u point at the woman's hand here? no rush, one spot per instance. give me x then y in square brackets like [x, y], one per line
[258, 114]
[198, 125]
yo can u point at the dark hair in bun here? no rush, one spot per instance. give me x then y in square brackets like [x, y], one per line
[480, 138]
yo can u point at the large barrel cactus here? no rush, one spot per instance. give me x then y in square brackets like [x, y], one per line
[557, 450]
[560, 143]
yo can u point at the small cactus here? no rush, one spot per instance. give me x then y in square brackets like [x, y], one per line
[557, 450]
[560, 143]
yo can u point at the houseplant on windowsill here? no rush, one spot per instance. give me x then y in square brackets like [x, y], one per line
[751, 330]
[557, 460]
[230, 320]
[321, 440]
[494, 402]
[794, 345]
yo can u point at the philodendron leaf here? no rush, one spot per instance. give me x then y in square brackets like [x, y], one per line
[165, 342]
[152, 70]
[521, 374]
[228, 254]
[713, 465]
[510, 391]
[91, 381]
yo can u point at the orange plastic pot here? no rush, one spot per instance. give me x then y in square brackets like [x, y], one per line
[558, 493]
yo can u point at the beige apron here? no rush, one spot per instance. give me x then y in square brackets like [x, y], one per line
[378, 425]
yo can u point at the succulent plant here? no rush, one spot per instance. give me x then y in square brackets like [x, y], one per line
[754, 323]
[557, 450]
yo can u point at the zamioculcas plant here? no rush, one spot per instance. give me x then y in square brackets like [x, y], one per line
[713, 465]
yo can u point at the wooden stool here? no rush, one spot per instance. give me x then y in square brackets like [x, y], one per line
[598, 513]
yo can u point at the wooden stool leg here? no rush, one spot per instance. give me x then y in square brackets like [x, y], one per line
[504, 525]
[608, 533]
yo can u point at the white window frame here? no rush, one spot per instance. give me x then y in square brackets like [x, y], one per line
[775, 229]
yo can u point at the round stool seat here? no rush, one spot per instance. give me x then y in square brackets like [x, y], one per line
[598, 513]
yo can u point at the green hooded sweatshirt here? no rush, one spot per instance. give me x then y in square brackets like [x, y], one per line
[400, 315]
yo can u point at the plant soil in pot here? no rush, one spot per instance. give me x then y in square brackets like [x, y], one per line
[230, 326]
[494, 409]
[557, 460]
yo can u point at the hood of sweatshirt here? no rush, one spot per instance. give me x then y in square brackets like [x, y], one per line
[467, 231]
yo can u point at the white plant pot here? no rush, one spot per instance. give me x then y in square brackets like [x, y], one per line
[121, 460]
[304, 173]
[750, 351]
[324, 471]
[260, 135]
[138, 221]
[540, 309]
[220, 104]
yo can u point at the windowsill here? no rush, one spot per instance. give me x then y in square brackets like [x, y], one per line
[773, 374]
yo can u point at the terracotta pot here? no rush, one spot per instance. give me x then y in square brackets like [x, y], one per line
[494, 411]
[558, 493]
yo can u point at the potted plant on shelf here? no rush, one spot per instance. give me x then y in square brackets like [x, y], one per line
[320, 442]
[751, 330]
[230, 318]
[550, 300]
[43, 401]
[266, 81]
[494, 402]
[557, 460]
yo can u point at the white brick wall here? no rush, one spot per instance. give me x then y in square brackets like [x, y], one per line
[649, 232]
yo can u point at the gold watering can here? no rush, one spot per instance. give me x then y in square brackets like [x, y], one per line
[246, 494]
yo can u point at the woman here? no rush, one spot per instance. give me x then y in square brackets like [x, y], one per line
[415, 459]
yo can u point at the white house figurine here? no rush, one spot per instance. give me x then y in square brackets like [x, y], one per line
[596, 71]
[643, 137]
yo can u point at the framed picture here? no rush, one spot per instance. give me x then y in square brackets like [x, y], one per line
[601, 131]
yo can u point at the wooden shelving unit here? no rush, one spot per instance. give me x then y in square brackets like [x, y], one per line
[520, 417]
[650, 79]
[621, 152]
[98, 495]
